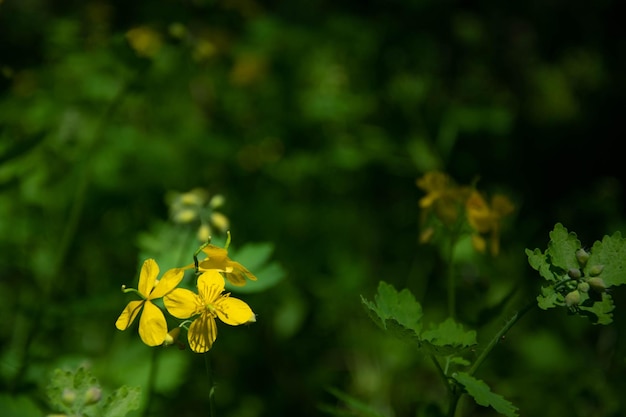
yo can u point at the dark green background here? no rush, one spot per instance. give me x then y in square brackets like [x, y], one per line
[316, 152]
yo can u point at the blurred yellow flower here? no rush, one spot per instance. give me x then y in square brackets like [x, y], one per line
[485, 218]
[442, 195]
[208, 303]
[217, 258]
[152, 324]
[145, 41]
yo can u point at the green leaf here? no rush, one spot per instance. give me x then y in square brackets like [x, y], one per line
[600, 312]
[399, 314]
[121, 402]
[611, 253]
[549, 298]
[483, 396]
[539, 261]
[396, 312]
[256, 257]
[562, 248]
[448, 338]
[67, 390]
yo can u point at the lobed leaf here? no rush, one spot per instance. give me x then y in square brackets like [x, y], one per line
[121, 402]
[483, 396]
[396, 312]
[447, 338]
[562, 248]
[611, 253]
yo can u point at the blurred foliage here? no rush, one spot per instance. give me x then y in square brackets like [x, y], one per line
[313, 120]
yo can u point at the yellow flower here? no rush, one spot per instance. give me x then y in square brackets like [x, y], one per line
[152, 324]
[217, 258]
[485, 218]
[210, 302]
[145, 41]
[442, 195]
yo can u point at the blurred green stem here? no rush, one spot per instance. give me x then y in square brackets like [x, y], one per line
[152, 374]
[209, 372]
[451, 278]
[498, 336]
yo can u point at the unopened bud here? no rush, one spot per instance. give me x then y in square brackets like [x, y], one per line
[574, 273]
[185, 216]
[171, 336]
[93, 395]
[596, 270]
[68, 396]
[582, 256]
[583, 287]
[217, 201]
[597, 284]
[572, 298]
[220, 221]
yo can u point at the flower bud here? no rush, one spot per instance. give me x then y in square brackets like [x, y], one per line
[595, 270]
[583, 286]
[93, 395]
[171, 336]
[597, 284]
[572, 298]
[582, 256]
[68, 396]
[217, 201]
[574, 273]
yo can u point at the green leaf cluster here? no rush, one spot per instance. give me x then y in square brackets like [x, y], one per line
[401, 315]
[569, 269]
[79, 393]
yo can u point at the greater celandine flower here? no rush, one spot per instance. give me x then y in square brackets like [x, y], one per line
[487, 218]
[442, 195]
[217, 258]
[211, 301]
[152, 324]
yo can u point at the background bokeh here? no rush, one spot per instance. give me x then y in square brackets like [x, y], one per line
[313, 119]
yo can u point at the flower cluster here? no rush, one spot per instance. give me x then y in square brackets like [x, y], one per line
[198, 309]
[454, 206]
[195, 206]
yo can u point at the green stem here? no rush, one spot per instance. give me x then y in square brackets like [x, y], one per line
[451, 279]
[209, 372]
[498, 336]
[154, 365]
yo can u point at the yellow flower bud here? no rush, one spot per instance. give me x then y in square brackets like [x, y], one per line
[220, 221]
[185, 216]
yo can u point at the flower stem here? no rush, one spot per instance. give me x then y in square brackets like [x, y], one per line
[451, 278]
[152, 373]
[209, 372]
[498, 336]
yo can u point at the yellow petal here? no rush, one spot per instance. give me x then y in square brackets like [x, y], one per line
[210, 286]
[166, 284]
[233, 311]
[217, 258]
[182, 303]
[152, 325]
[128, 315]
[202, 333]
[147, 277]
[479, 243]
